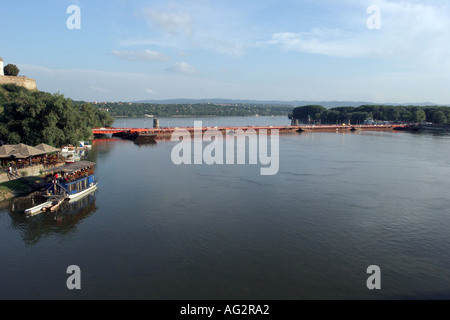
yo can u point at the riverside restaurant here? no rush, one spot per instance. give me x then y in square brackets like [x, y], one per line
[21, 156]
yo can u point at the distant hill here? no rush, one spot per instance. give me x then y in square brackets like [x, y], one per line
[326, 104]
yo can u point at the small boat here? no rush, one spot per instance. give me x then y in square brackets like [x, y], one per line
[51, 205]
[68, 149]
[36, 209]
[71, 158]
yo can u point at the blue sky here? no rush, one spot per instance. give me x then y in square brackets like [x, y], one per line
[287, 50]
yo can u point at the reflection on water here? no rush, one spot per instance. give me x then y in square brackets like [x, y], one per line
[340, 203]
[65, 220]
[149, 143]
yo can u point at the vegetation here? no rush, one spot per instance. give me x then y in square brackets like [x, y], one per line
[12, 188]
[137, 110]
[11, 70]
[356, 115]
[34, 117]
[439, 117]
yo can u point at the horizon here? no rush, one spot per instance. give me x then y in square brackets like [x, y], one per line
[116, 51]
[326, 104]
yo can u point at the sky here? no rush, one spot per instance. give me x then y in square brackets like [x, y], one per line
[377, 51]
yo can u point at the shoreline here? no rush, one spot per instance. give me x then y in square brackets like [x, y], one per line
[17, 188]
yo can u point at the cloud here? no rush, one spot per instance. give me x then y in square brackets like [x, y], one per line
[225, 47]
[170, 22]
[182, 67]
[102, 90]
[411, 32]
[150, 91]
[331, 42]
[146, 55]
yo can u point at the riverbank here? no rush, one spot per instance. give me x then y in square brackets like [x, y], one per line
[16, 188]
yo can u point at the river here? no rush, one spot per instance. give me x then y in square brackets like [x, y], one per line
[338, 204]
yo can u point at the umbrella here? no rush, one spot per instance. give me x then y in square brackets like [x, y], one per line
[46, 148]
[27, 151]
[6, 150]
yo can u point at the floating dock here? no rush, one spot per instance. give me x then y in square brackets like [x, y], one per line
[167, 132]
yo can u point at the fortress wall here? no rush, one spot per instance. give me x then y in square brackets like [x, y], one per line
[28, 83]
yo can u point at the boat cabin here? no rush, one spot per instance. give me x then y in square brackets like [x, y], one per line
[71, 179]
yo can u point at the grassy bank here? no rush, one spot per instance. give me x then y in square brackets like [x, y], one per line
[14, 188]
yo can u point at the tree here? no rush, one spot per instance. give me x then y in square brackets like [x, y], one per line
[40, 117]
[418, 115]
[311, 112]
[439, 117]
[393, 113]
[359, 117]
[11, 70]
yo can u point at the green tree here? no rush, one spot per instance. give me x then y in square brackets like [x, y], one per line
[418, 115]
[332, 116]
[310, 112]
[11, 70]
[359, 117]
[393, 113]
[39, 117]
[439, 117]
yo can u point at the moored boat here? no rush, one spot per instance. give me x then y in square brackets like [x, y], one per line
[36, 209]
[71, 182]
[68, 149]
[72, 157]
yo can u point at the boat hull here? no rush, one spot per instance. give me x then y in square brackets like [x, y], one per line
[83, 192]
[38, 208]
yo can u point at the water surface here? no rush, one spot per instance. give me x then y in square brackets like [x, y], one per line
[154, 230]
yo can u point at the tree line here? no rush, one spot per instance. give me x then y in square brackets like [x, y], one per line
[34, 117]
[357, 115]
[138, 110]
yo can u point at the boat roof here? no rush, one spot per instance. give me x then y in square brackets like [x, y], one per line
[72, 167]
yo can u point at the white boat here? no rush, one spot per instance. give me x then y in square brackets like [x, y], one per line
[49, 206]
[72, 157]
[38, 208]
[68, 149]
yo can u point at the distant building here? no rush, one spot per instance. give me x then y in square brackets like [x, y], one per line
[25, 82]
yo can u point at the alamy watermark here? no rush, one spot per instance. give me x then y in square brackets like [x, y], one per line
[226, 148]
[73, 22]
[374, 281]
[74, 280]
[374, 21]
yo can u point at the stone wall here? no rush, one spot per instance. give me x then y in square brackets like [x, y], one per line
[28, 83]
[26, 172]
